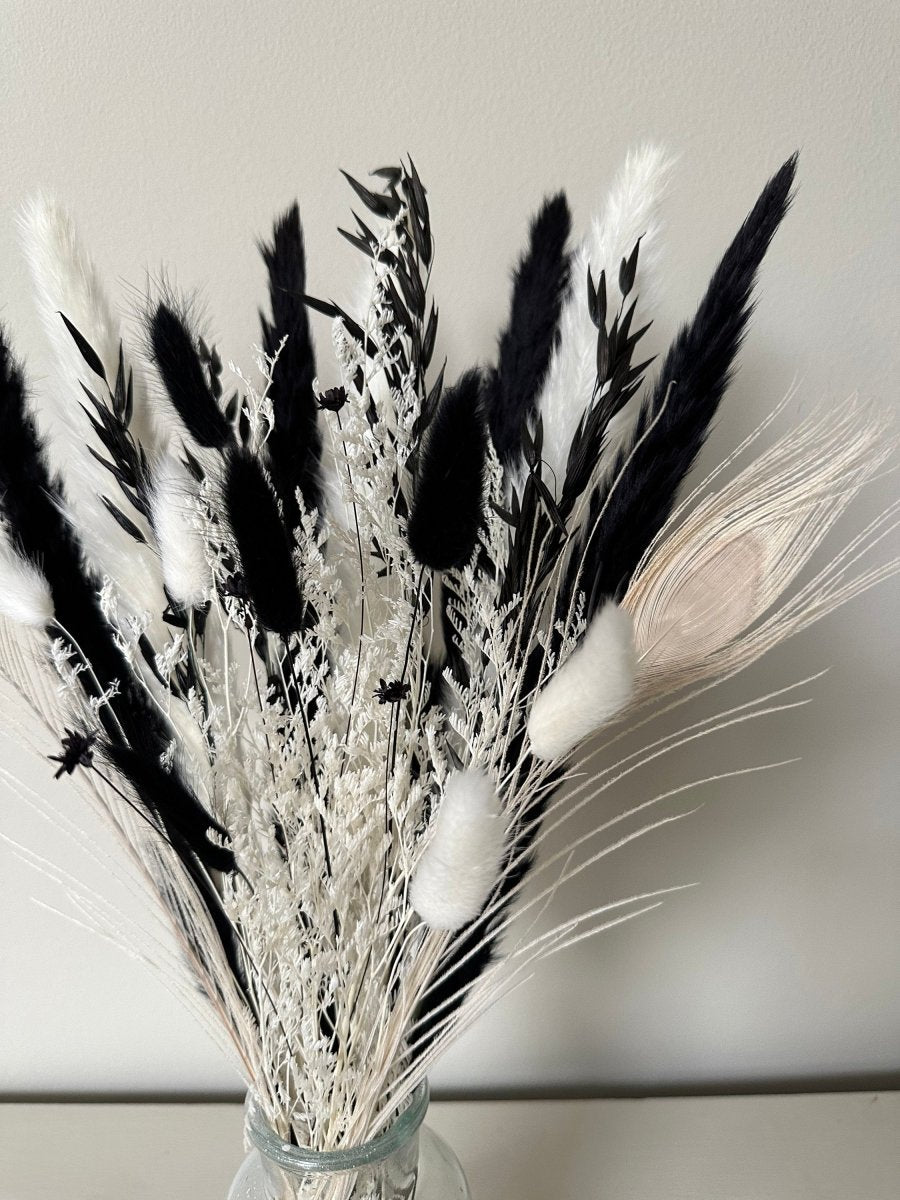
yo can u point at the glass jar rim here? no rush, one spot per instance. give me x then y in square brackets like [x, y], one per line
[305, 1159]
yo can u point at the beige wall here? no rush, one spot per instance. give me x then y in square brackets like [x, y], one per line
[175, 131]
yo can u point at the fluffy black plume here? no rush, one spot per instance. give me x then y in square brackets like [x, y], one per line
[448, 504]
[263, 544]
[694, 375]
[294, 444]
[539, 287]
[175, 353]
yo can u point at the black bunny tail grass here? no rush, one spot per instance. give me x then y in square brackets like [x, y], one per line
[31, 503]
[448, 501]
[675, 419]
[263, 545]
[540, 283]
[174, 349]
[294, 444]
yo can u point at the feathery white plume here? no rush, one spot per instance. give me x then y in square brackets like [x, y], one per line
[711, 595]
[588, 689]
[67, 281]
[173, 508]
[461, 862]
[24, 591]
[630, 214]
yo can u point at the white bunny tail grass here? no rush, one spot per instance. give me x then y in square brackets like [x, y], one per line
[176, 522]
[589, 689]
[708, 598]
[24, 592]
[461, 862]
[630, 213]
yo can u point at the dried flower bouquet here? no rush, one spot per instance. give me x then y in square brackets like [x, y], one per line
[330, 659]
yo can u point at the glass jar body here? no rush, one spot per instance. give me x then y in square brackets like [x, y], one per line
[407, 1162]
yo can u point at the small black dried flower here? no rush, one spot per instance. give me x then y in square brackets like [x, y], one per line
[77, 751]
[391, 692]
[334, 399]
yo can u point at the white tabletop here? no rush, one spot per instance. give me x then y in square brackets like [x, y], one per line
[816, 1147]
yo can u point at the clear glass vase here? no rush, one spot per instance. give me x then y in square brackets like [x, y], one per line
[407, 1160]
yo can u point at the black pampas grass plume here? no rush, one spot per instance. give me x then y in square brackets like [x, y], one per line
[539, 287]
[294, 443]
[448, 501]
[263, 544]
[692, 380]
[174, 350]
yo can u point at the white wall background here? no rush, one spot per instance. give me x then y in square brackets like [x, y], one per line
[174, 132]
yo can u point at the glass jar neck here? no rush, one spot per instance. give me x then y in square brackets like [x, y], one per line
[302, 1161]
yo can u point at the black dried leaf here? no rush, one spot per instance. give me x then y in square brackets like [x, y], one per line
[392, 174]
[603, 354]
[357, 243]
[381, 205]
[502, 513]
[401, 315]
[119, 393]
[85, 349]
[549, 503]
[117, 514]
[429, 338]
[128, 410]
[628, 270]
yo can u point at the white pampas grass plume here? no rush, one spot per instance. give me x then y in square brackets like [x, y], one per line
[630, 213]
[589, 689]
[461, 862]
[24, 591]
[67, 281]
[173, 508]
